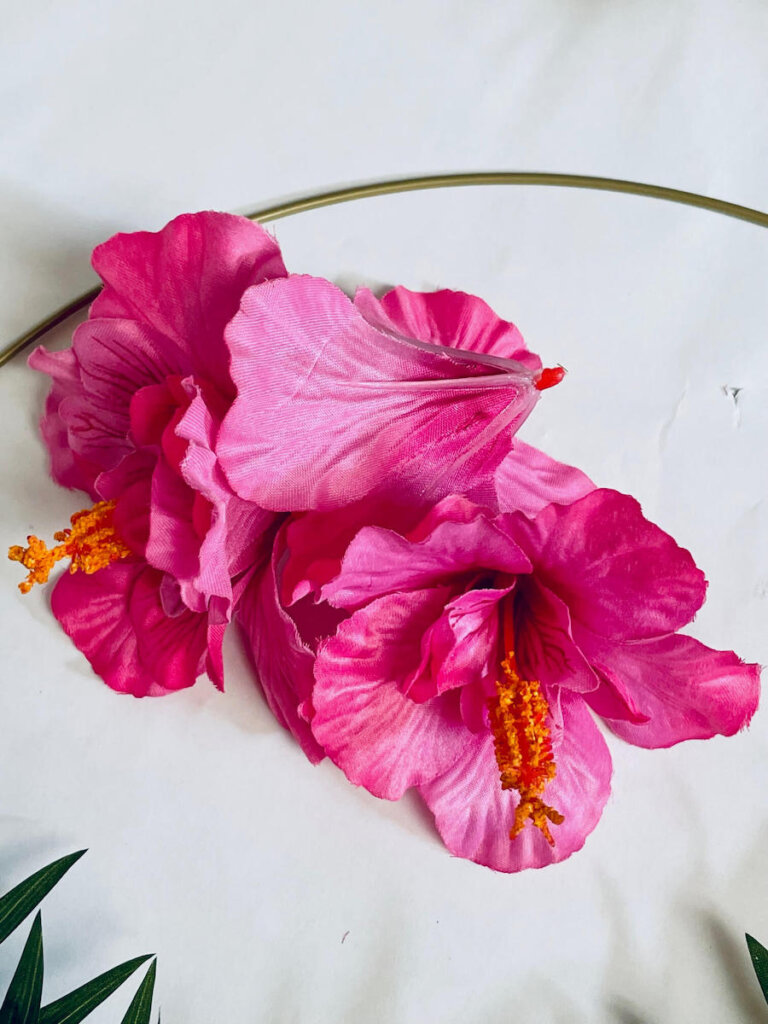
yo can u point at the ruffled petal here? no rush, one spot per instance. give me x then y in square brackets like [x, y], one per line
[461, 648]
[445, 317]
[174, 544]
[282, 661]
[681, 688]
[236, 534]
[457, 537]
[67, 467]
[185, 283]
[330, 409]
[115, 617]
[379, 737]
[528, 480]
[474, 815]
[620, 575]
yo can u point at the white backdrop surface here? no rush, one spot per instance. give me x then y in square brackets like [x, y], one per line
[271, 890]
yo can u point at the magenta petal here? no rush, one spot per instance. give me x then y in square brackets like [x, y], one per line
[461, 538]
[545, 647]
[67, 467]
[330, 409]
[151, 407]
[175, 647]
[447, 318]
[282, 662]
[116, 619]
[528, 480]
[620, 575]
[684, 689]
[378, 736]
[185, 282]
[311, 564]
[116, 359]
[474, 815]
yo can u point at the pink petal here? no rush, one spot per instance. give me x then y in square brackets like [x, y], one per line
[174, 545]
[461, 648]
[185, 282]
[684, 689]
[474, 815]
[447, 318]
[130, 485]
[528, 480]
[330, 409]
[312, 564]
[67, 467]
[282, 661]
[462, 538]
[619, 574]
[115, 618]
[545, 647]
[378, 736]
[151, 407]
[236, 534]
[175, 648]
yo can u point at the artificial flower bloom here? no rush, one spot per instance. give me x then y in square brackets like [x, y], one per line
[283, 602]
[426, 335]
[465, 656]
[131, 419]
[409, 398]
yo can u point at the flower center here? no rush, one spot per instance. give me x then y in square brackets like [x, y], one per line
[91, 544]
[517, 717]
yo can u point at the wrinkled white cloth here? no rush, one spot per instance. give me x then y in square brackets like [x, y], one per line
[272, 890]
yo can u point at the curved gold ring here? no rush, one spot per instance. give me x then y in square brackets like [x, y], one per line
[317, 200]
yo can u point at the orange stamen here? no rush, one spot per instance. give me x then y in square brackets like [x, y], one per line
[91, 544]
[517, 717]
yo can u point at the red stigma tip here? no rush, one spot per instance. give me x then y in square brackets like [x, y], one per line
[548, 377]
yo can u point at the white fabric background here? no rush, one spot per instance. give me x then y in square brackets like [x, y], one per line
[270, 890]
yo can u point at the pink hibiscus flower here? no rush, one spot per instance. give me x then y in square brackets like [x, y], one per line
[131, 419]
[408, 398]
[464, 657]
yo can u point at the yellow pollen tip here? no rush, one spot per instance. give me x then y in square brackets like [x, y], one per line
[91, 543]
[517, 717]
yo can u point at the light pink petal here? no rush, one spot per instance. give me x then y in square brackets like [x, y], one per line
[462, 538]
[620, 575]
[684, 689]
[67, 467]
[235, 535]
[544, 644]
[174, 544]
[330, 409]
[447, 318]
[185, 282]
[474, 815]
[283, 663]
[528, 480]
[461, 649]
[379, 737]
[115, 617]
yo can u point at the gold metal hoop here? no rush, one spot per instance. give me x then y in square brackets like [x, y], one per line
[317, 200]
